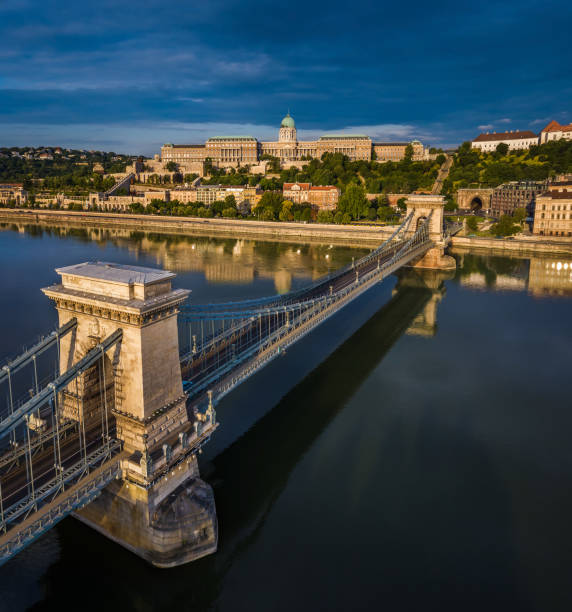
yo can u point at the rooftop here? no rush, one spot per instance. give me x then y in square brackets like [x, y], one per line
[187, 146]
[249, 138]
[116, 273]
[554, 126]
[558, 195]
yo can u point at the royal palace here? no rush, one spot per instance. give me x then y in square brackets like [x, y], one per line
[229, 151]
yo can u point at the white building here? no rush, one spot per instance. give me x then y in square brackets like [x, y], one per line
[514, 139]
[555, 131]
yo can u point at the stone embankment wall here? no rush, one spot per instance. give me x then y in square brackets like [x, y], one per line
[508, 246]
[362, 235]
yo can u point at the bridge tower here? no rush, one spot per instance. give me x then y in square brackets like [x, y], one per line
[423, 206]
[144, 393]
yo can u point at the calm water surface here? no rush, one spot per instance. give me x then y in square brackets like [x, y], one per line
[413, 453]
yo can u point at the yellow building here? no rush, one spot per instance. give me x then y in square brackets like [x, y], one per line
[229, 151]
[553, 213]
[395, 151]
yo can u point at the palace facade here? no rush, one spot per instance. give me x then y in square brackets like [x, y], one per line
[246, 150]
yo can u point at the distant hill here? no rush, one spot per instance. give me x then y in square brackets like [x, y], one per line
[23, 164]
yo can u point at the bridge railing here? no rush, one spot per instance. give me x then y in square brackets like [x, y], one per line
[54, 443]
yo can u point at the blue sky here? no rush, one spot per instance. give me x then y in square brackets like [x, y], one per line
[129, 76]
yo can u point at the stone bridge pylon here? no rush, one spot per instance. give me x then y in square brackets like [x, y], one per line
[159, 508]
[423, 207]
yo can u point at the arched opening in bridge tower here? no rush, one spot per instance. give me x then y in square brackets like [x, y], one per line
[476, 204]
[420, 222]
[90, 398]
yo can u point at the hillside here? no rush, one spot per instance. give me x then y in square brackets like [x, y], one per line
[471, 167]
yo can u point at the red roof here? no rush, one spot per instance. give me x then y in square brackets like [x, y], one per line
[554, 126]
[516, 135]
[323, 188]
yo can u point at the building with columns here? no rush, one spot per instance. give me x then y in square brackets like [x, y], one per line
[232, 151]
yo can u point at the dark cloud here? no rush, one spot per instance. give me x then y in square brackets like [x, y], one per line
[443, 68]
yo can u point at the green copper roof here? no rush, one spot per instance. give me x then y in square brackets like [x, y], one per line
[288, 121]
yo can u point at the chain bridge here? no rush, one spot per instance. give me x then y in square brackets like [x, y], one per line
[105, 416]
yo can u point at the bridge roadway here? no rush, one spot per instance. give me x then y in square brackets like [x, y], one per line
[220, 366]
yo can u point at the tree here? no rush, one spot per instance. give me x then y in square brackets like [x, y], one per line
[502, 149]
[386, 213]
[270, 205]
[505, 227]
[229, 212]
[354, 202]
[217, 207]
[230, 201]
[472, 224]
[372, 214]
[325, 216]
[402, 204]
[171, 166]
[450, 204]
[408, 153]
[137, 207]
[519, 215]
[267, 215]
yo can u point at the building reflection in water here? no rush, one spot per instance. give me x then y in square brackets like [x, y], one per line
[241, 261]
[539, 276]
[549, 277]
[221, 260]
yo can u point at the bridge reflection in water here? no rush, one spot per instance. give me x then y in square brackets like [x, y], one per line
[250, 475]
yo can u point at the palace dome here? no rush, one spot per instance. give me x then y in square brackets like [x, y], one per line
[288, 122]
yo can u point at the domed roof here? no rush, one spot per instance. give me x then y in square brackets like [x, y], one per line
[288, 121]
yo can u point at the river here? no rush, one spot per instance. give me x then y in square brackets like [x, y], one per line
[412, 453]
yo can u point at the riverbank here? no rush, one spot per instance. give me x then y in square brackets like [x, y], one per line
[534, 245]
[346, 235]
